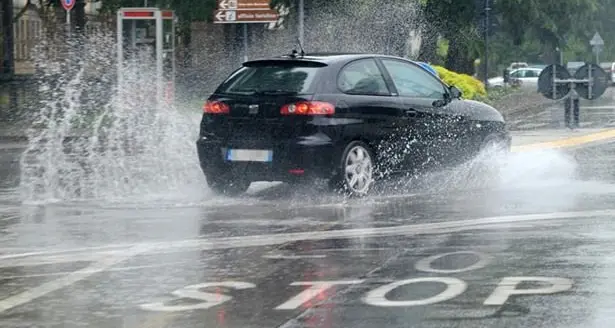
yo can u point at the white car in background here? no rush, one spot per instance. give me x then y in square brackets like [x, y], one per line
[527, 78]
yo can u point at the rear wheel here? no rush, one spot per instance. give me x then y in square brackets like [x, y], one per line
[227, 184]
[356, 171]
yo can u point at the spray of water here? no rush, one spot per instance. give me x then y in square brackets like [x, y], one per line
[91, 142]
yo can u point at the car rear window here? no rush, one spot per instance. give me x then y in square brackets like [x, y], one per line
[271, 76]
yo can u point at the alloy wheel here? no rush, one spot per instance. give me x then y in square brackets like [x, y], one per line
[358, 170]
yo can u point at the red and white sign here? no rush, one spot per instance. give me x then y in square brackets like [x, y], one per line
[68, 4]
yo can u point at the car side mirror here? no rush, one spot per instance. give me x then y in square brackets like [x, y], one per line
[455, 92]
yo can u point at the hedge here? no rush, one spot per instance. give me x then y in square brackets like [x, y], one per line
[469, 86]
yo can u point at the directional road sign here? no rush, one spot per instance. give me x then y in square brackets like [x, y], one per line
[68, 4]
[244, 11]
[598, 77]
[245, 16]
[545, 82]
[243, 4]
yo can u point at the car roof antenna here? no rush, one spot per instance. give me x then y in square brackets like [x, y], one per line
[301, 47]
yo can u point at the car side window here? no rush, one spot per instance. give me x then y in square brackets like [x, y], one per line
[362, 77]
[413, 81]
[516, 74]
[531, 73]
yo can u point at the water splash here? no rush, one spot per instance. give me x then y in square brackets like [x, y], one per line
[90, 141]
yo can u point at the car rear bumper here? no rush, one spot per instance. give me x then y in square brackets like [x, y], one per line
[308, 157]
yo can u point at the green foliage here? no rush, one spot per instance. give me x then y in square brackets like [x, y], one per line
[469, 86]
[527, 30]
[442, 50]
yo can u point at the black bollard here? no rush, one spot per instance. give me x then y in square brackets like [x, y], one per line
[575, 113]
[567, 107]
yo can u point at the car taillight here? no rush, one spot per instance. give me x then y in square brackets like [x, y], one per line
[308, 108]
[216, 107]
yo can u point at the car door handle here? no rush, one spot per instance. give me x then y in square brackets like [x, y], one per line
[410, 112]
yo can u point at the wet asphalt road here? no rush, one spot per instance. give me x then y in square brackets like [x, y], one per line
[532, 249]
[597, 113]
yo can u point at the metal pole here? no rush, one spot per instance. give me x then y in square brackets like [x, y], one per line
[133, 35]
[575, 113]
[554, 85]
[172, 53]
[245, 42]
[486, 65]
[300, 26]
[120, 51]
[568, 101]
[590, 83]
[159, 53]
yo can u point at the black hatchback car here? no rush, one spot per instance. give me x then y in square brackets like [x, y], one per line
[348, 118]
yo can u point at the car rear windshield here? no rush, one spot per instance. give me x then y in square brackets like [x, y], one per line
[272, 77]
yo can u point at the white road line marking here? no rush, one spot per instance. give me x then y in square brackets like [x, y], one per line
[281, 238]
[354, 249]
[425, 263]
[293, 257]
[316, 288]
[10, 218]
[508, 287]
[98, 249]
[119, 269]
[454, 288]
[194, 292]
[74, 277]
[56, 259]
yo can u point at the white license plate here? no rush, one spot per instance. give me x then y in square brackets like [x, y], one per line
[249, 155]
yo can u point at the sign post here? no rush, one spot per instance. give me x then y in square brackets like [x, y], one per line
[589, 82]
[597, 44]
[245, 12]
[68, 6]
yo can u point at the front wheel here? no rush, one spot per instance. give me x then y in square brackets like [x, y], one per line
[226, 184]
[356, 170]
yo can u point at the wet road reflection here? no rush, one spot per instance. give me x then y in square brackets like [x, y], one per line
[445, 250]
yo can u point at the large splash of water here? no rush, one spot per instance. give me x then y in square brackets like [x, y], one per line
[90, 141]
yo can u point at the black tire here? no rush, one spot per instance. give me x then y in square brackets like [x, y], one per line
[226, 184]
[358, 180]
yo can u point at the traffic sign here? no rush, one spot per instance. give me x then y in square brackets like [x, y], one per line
[68, 4]
[245, 16]
[545, 82]
[598, 77]
[243, 4]
[596, 41]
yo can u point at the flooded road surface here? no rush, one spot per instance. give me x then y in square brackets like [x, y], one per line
[532, 249]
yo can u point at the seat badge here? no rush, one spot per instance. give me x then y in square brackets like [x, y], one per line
[253, 109]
